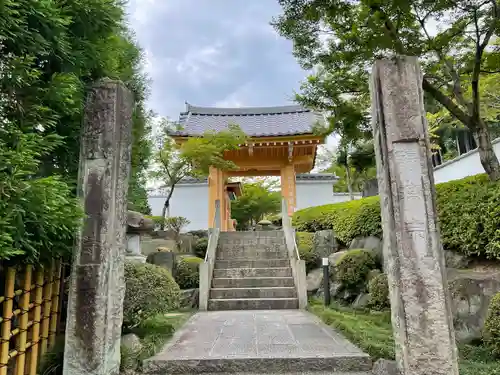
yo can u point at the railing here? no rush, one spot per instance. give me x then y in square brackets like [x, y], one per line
[31, 319]
[207, 267]
[297, 264]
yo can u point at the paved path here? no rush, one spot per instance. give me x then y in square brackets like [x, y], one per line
[238, 341]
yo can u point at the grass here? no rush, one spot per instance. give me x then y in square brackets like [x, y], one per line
[154, 334]
[372, 332]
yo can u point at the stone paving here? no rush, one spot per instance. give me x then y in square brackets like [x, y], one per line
[262, 341]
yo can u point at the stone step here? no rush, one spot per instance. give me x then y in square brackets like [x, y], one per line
[251, 254]
[260, 263]
[248, 233]
[253, 272]
[253, 282]
[253, 304]
[333, 365]
[276, 292]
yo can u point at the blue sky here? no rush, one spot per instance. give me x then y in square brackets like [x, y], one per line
[214, 53]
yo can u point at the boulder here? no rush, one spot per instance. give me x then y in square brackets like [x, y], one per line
[190, 298]
[455, 260]
[162, 259]
[335, 288]
[333, 258]
[471, 292]
[371, 243]
[138, 223]
[324, 243]
[361, 301]
[385, 367]
[131, 342]
[314, 280]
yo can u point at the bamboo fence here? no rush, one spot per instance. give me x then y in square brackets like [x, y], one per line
[30, 307]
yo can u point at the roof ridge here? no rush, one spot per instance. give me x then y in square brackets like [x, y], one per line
[242, 111]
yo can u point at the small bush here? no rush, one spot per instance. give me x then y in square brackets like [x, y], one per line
[468, 209]
[353, 268]
[379, 292]
[492, 326]
[150, 290]
[187, 272]
[200, 248]
[305, 244]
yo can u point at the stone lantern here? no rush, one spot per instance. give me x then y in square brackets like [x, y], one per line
[137, 225]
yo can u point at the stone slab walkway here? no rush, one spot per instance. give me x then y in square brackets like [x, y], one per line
[270, 341]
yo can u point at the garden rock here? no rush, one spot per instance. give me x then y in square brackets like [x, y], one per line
[455, 260]
[324, 243]
[335, 288]
[314, 280]
[361, 301]
[131, 342]
[165, 259]
[190, 298]
[471, 292]
[333, 258]
[385, 367]
[368, 243]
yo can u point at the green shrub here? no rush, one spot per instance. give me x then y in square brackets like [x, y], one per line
[305, 244]
[200, 248]
[150, 290]
[348, 219]
[187, 272]
[492, 326]
[468, 209]
[353, 267]
[379, 292]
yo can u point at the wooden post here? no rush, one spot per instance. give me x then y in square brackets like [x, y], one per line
[10, 278]
[288, 187]
[414, 261]
[47, 303]
[35, 336]
[216, 192]
[23, 321]
[54, 311]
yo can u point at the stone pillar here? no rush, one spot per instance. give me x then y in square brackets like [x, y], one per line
[420, 302]
[288, 187]
[97, 288]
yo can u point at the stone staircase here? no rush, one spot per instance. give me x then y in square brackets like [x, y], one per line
[252, 272]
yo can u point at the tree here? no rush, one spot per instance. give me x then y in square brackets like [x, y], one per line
[193, 157]
[341, 39]
[50, 52]
[257, 200]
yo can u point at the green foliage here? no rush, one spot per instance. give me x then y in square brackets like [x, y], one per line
[257, 200]
[341, 40]
[150, 290]
[50, 54]
[468, 212]
[176, 223]
[187, 272]
[379, 292]
[200, 248]
[492, 326]
[372, 332]
[353, 267]
[305, 245]
[351, 219]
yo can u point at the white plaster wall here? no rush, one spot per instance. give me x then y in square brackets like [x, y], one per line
[465, 165]
[317, 193]
[189, 201]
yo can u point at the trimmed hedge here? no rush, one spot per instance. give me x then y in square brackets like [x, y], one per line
[492, 326]
[468, 209]
[150, 290]
[187, 272]
[305, 244]
[200, 248]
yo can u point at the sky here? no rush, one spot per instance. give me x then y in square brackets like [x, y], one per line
[214, 53]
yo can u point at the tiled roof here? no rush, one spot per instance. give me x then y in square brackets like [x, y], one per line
[254, 121]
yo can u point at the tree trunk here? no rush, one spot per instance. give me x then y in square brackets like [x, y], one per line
[349, 182]
[166, 206]
[487, 154]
